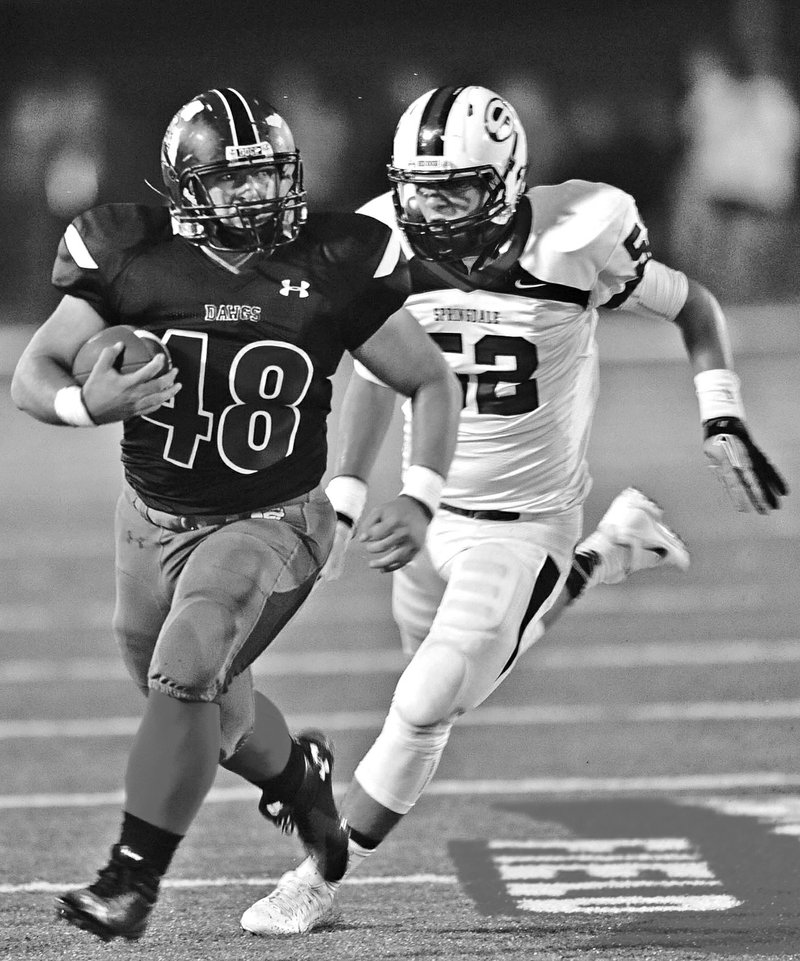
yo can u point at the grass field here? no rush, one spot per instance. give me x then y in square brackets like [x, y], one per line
[632, 791]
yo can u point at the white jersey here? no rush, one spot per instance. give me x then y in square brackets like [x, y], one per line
[520, 335]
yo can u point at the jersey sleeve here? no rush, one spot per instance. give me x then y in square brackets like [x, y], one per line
[623, 270]
[381, 208]
[661, 293]
[384, 281]
[95, 249]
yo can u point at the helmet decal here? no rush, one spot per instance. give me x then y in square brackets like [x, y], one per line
[240, 116]
[498, 120]
[191, 110]
[262, 149]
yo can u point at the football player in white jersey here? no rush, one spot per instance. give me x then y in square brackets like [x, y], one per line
[508, 282]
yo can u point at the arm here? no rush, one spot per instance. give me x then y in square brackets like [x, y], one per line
[704, 330]
[367, 410]
[404, 358]
[43, 371]
[749, 478]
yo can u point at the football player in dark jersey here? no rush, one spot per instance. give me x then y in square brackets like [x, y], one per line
[221, 527]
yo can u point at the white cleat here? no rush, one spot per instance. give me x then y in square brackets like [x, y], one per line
[632, 537]
[302, 900]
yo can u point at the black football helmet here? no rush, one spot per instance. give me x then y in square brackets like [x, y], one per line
[225, 131]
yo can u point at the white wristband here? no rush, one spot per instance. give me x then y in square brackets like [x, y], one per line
[718, 394]
[424, 485]
[70, 408]
[348, 495]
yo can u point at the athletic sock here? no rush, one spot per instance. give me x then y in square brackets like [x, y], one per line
[583, 566]
[357, 854]
[362, 841]
[156, 845]
[284, 786]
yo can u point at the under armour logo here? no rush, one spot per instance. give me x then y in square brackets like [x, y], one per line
[301, 288]
[320, 762]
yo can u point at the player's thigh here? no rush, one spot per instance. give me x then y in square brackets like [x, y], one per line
[237, 591]
[500, 583]
[141, 603]
[417, 591]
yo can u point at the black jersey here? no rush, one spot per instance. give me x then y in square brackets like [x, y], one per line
[255, 351]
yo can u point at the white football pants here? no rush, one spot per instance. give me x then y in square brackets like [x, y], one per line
[467, 607]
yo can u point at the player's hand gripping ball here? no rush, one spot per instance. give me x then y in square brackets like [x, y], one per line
[140, 348]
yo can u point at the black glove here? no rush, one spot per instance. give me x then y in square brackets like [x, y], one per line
[751, 481]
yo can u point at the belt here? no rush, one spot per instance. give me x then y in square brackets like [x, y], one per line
[488, 515]
[193, 522]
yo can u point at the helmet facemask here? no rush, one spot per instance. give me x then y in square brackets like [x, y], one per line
[442, 234]
[240, 224]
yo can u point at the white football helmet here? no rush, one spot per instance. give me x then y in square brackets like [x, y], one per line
[464, 142]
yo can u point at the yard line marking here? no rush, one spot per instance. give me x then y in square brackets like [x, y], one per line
[56, 887]
[81, 543]
[753, 780]
[662, 599]
[504, 716]
[335, 663]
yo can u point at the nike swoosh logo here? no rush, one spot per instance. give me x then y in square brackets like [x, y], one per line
[522, 286]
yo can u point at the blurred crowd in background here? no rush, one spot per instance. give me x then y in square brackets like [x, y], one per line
[693, 107]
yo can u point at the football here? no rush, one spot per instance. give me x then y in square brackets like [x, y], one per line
[140, 347]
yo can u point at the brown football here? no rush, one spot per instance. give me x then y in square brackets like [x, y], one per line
[140, 347]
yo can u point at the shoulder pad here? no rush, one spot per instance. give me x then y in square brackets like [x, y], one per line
[99, 243]
[579, 213]
[104, 238]
[357, 242]
[381, 208]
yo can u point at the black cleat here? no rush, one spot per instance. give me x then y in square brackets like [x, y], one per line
[118, 903]
[312, 811]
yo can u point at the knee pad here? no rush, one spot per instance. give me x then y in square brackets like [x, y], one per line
[192, 653]
[400, 764]
[429, 689]
[473, 635]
